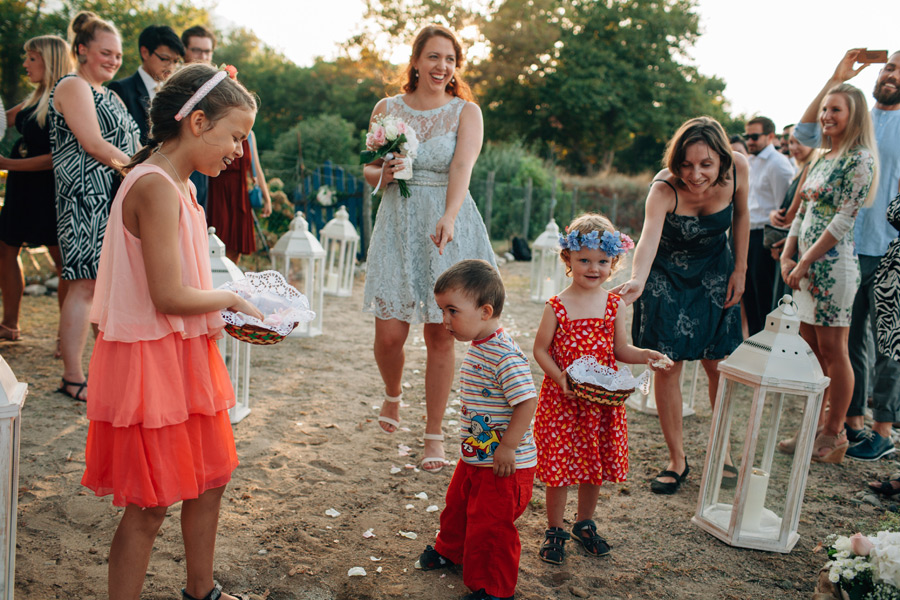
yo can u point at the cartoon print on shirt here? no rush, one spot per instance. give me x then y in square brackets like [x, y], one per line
[483, 440]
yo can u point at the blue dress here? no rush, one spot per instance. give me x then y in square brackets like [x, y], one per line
[681, 311]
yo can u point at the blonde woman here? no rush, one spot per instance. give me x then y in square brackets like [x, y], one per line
[91, 132]
[826, 274]
[29, 210]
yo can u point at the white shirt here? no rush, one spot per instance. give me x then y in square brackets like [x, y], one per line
[770, 175]
[149, 82]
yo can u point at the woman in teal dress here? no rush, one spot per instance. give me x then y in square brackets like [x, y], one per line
[686, 282]
[826, 275]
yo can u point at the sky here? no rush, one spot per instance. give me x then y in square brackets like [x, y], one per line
[774, 55]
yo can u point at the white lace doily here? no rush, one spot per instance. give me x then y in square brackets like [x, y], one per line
[281, 303]
[587, 370]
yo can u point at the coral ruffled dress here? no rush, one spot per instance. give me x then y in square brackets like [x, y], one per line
[160, 393]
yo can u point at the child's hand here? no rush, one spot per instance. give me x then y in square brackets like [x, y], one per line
[564, 386]
[657, 361]
[504, 461]
[243, 305]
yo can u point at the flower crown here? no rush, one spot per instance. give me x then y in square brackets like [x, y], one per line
[613, 243]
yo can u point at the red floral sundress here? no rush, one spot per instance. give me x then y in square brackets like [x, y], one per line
[579, 441]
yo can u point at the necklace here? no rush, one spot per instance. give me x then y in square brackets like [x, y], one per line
[187, 193]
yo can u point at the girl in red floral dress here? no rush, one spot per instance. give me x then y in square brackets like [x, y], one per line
[582, 443]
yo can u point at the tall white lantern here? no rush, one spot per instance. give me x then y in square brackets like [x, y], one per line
[340, 240]
[12, 398]
[548, 274]
[299, 256]
[235, 352]
[770, 387]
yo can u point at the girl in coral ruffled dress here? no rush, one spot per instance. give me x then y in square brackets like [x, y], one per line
[158, 405]
[579, 442]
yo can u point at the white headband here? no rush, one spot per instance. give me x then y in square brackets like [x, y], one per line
[200, 94]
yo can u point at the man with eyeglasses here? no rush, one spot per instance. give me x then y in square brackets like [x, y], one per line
[199, 43]
[770, 175]
[161, 53]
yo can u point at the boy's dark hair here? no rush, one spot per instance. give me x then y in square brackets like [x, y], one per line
[477, 279]
[768, 126]
[155, 36]
[177, 89]
[197, 31]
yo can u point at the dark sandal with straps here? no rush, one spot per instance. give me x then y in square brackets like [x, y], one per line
[660, 487]
[64, 389]
[885, 488]
[553, 550]
[214, 594]
[585, 533]
[431, 559]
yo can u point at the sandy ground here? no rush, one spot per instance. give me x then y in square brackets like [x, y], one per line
[311, 444]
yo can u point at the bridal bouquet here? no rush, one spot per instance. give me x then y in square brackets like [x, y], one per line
[388, 135]
[865, 567]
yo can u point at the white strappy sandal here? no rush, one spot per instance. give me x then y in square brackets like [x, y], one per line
[436, 437]
[387, 420]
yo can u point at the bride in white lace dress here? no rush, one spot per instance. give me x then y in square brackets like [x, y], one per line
[416, 239]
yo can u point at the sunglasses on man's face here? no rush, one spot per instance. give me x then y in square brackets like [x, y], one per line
[753, 136]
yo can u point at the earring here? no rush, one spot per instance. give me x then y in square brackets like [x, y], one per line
[453, 80]
[416, 73]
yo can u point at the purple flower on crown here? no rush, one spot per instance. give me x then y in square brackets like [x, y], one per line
[615, 243]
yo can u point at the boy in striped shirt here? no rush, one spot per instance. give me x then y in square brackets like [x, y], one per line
[492, 483]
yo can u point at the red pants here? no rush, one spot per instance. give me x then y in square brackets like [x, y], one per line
[478, 528]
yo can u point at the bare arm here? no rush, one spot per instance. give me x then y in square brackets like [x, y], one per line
[11, 114]
[469, 139]
[154, 205]
[42, 162]
[74, 100]
[660, 200]
[505, 454]
[376, 169]
[843, 72]
[542, 341]
[740, 225]
[261, 178]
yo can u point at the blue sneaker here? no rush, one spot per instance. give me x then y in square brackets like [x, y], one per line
[872, 447]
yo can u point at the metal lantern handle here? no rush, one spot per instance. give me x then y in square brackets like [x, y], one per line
[789, 300]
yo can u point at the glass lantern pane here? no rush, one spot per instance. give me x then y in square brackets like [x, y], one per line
[743, 430]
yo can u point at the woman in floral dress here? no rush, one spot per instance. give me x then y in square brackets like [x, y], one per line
[826, 275]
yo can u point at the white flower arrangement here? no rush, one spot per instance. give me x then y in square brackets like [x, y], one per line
[866, 567]
[325, 195]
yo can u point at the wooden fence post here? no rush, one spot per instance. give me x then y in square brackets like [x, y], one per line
[526, 214]
[552, 195]
[489, 201]
[574, 202]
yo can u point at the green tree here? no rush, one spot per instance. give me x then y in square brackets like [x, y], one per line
[587, 79]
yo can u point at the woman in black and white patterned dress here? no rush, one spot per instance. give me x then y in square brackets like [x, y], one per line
[90, 132]
[887, 291]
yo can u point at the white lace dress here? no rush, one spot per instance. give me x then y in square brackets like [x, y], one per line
[403, 262]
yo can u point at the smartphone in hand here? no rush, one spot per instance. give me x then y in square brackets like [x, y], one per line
[872, 56]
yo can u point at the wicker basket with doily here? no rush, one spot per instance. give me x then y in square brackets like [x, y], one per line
[283, 306]
[597, 394]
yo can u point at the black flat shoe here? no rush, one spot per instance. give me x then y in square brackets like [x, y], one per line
[659, 487]
[885, 488]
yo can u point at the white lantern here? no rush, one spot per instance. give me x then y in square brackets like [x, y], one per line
[302, 262]
[340, 240]
[771, 386]
[548, 274]
[235, 353]
[12, 398]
